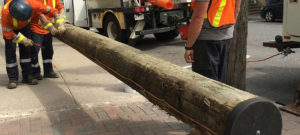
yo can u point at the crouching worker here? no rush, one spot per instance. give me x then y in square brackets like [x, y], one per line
[15, 19]
[43, 31]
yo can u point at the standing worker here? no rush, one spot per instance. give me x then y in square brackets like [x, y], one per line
[15, 18]
[210, 35]
[42, 37]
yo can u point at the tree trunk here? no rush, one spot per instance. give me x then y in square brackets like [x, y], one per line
[210, 106]
[236, 74]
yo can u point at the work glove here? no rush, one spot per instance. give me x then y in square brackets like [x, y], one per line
[59, 21]
[49, 26]
[21, 39]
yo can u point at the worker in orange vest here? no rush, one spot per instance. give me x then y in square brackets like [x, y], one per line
[210, 35]
[42, 38]
[15, 18]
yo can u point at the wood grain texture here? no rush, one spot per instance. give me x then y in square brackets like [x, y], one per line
[163, 83]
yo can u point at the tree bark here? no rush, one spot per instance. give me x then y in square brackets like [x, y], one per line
[236, 73]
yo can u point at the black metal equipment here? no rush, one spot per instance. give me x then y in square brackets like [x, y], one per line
[254, 117]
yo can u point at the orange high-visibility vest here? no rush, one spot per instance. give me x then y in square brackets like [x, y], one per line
[45, 3]
[220, 12]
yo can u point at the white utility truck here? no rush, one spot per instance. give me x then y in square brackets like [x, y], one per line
[291, 21]
[289, 39]
[291, 30]
[128, 20]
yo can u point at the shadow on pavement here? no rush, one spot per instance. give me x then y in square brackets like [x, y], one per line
[149, 43]
[270, 82]
[133, 119]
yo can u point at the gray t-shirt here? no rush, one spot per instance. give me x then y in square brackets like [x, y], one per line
[212, 33]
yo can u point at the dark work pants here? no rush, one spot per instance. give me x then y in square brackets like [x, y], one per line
[25, 56]
[210, 58]
[44, 42]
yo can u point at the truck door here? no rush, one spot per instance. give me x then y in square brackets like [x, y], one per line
[292, 18]
[69, 11]
[80, 13]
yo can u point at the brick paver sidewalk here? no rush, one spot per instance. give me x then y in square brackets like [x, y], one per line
[132, 119]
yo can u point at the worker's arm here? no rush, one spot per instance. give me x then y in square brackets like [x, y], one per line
[8, 32]
[7, 28]
[195, 27]
[237, 8]
[59, 7]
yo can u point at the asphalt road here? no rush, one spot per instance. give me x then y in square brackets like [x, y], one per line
[275, 79]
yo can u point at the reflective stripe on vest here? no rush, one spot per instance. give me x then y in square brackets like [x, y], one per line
[218, 15]
[45, 3]
[5, 6]
[15, 22]
[221, 12]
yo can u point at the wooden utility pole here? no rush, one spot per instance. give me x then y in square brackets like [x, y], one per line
[236, 74]
[210, 106]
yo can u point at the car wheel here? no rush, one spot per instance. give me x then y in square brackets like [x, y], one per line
[269, 16]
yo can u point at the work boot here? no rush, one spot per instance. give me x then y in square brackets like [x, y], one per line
[29, 80]
[51, 74]
[37, 76]
[12, 84]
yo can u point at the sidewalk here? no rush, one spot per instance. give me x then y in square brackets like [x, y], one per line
[132, 119]
[86, 100]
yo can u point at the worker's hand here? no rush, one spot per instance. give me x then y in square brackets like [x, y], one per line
[28, 42]
[49, 26]
[61, 28]
[189, 56]
[59, 21]
[21, 39]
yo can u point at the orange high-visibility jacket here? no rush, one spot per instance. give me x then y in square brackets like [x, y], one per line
[9, 23]
[36, 24]
[220, 12]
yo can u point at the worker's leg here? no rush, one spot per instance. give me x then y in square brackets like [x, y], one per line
[224, 51]
[206, 57]
[25, 59]
[47, 53]
[11, 63]
[38, 40]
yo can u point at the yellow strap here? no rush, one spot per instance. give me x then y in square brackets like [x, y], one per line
[54, 3]
[47, 26]
[5, 6]
[29, 20]
[15, 23]
[60, 20]
[20, 39]
[217, 18]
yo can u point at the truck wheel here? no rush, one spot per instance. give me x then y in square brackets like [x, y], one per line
[112, 29]
[166, 35]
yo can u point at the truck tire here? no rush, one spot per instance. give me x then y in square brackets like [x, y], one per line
[112, 29]
[167, 35]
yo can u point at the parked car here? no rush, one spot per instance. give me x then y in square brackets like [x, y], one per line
[273, 10]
